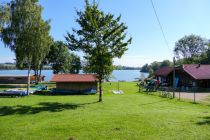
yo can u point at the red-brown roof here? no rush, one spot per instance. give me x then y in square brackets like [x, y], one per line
[197, 71]
[163, 71]
[74, 78]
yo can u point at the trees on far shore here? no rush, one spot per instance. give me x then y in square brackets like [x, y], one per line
[151, 68]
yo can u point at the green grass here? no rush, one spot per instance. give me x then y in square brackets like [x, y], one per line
[129, 116]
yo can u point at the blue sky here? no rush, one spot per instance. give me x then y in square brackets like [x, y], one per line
[178, 17]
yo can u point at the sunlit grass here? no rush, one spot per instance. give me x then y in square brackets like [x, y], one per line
[131, 115]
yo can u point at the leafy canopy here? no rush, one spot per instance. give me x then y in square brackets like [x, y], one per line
[61, 60]
[190, 46]
[26, 33]
[101, 37]
[4, 15]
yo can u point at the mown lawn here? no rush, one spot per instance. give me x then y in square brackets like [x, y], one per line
[129, 116]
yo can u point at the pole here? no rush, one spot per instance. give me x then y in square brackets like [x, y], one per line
[174, 77]
[194, 96]
[28, 83]
[118, 86]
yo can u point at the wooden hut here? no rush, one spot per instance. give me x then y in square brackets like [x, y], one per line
[13, 79]
[18, 79]
[75, 83]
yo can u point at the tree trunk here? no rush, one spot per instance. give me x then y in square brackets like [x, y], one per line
[36, 76]
[40, 74]
[100, 90]
[28, 84]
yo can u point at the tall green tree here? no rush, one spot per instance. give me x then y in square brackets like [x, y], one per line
[101, 37]
[61, 60]
[42, 48]
[26, 33]
[190, 47]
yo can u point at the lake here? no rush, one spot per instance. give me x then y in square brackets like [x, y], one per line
[125, 75]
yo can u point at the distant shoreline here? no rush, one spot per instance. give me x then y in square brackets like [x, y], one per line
[11, 66]
[127, 75]
[51, 69]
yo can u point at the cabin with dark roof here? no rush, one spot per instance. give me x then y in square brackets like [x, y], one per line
[75, 83]
[18, 79]
[186, 76]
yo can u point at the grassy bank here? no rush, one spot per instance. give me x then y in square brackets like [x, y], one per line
[132, 115]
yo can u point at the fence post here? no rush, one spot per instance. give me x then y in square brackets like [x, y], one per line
[179, 94]
[194, 95]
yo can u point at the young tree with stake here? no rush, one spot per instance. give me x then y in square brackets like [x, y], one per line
[101, 37]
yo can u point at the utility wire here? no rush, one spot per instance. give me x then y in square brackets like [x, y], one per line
[161, 27]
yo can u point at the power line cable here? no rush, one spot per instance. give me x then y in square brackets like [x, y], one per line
[161, 27]
[159, 23]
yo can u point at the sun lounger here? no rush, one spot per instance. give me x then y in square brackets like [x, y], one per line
[117, 91]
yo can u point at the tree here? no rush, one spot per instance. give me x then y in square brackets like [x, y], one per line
[75, 64]
[4, 15]
[190, 47]
[101, 37]
[58, 57]
[155, 65]
[205, 57]
[151, 72]
[42, 48]
[151, 68]
[26, 33]
[145, 68]
[61, 60]
[165, 63]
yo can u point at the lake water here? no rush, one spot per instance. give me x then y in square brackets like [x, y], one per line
[125, 75]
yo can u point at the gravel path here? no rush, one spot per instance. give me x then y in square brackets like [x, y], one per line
[198, 96]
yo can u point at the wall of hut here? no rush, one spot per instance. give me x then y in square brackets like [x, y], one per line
[78, 86]
[187, 81]
[13, 80]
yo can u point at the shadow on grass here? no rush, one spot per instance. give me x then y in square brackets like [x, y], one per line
[205, 121]
[48, 93]
[41, 107]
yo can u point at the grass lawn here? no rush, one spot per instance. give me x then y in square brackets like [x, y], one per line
[129, 116]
